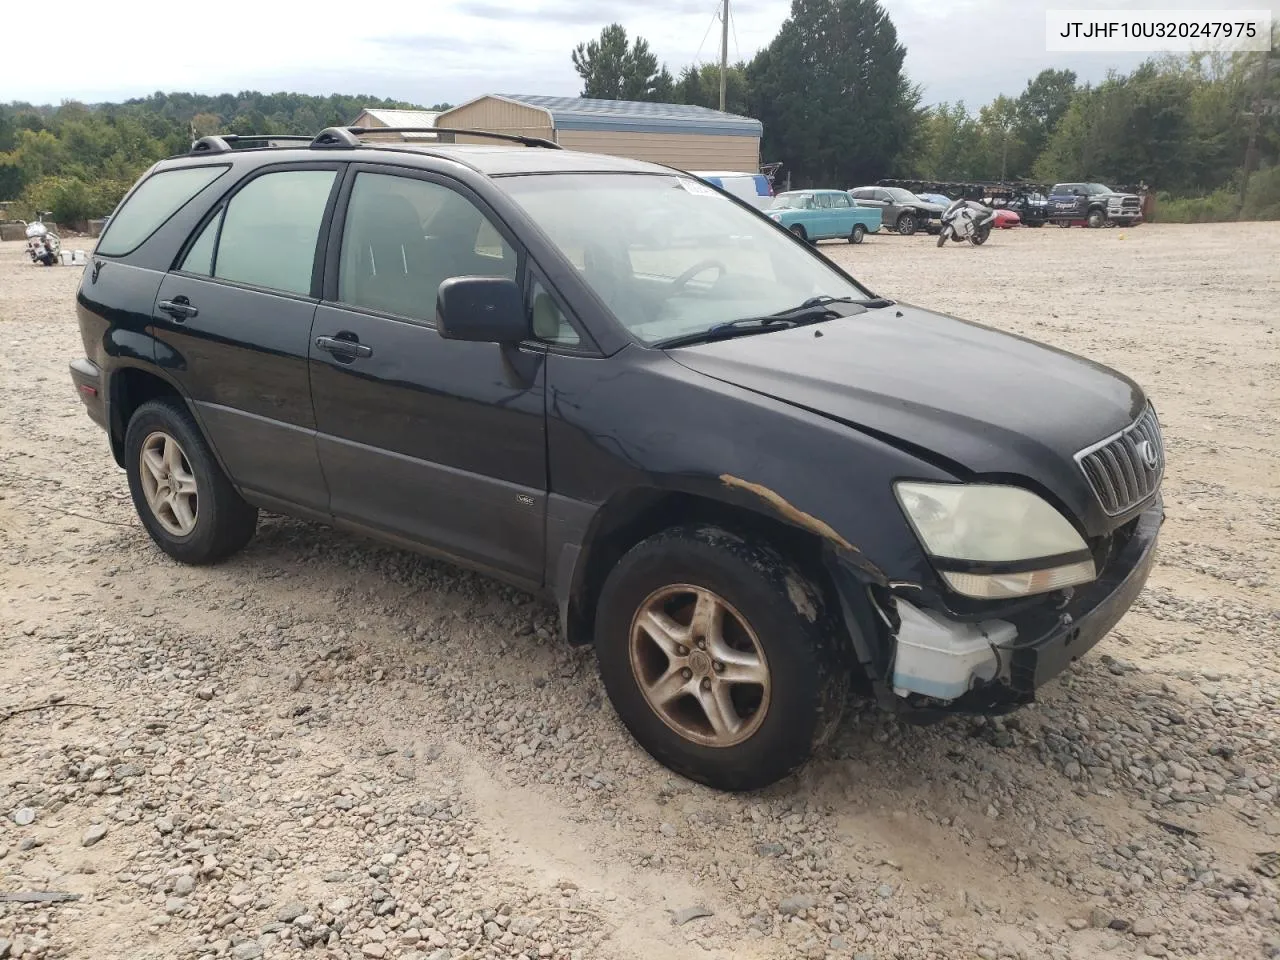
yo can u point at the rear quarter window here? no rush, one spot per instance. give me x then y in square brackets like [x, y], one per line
[157, 199]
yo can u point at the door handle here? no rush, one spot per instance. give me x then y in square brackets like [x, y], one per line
[179, 308]
[344, 348]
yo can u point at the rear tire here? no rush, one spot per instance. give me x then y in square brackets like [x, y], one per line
[765, 665]
[906, 225]
[981, 235]
[858, 234]
[194, 514]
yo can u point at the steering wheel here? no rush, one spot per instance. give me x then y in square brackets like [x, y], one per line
[680, 282]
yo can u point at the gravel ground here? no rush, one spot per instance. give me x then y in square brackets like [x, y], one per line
[326, 748]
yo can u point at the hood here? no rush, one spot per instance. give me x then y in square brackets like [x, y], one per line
[927, 205]
[980, 401]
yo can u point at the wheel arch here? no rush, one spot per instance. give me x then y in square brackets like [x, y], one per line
[128, 388]
[631, 516]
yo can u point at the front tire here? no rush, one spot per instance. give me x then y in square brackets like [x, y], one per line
[942, 237]
[719, 657]
[1095, 219]
[859, 233]
[183, 498]
[906, 225]
[800, 233]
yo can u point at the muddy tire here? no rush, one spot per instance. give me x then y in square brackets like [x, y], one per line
[183, 498]
[719, 656]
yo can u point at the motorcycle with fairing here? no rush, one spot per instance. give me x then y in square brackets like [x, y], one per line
[43, 245]
[967, 221]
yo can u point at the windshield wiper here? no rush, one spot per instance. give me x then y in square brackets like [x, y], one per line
[726, 331]
[813, 310]
[871, 303]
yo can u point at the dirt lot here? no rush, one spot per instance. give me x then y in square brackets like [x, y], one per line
[326, 748]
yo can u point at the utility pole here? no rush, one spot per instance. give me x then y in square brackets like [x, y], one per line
[724, 51]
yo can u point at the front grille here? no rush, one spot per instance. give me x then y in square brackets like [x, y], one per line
[1125, 470]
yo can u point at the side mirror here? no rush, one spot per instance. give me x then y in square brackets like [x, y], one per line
[481, 309]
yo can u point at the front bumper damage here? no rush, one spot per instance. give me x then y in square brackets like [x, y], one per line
[926, 664]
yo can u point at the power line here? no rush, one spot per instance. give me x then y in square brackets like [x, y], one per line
[734, 26]
[715, 15]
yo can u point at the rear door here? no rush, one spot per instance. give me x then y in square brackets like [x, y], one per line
[234, 323]
[440, 442]
[842, 214]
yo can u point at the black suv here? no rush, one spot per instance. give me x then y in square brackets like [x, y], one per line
[749, 481]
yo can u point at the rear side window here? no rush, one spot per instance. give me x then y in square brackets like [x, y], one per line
[269, 231]
[157, 199]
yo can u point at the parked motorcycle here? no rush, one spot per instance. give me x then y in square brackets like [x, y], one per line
[966, 220]
[43, 245]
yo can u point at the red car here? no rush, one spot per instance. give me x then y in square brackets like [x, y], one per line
[1006, 218]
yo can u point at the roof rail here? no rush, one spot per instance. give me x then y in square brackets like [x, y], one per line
[335, 137]
[510, 137]
[226, 142]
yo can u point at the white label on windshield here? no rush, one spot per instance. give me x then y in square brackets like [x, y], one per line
[697, 187]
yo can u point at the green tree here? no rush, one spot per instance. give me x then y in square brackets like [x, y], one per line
[830, 89]
[1041, 106]
[615, 68]
[699, 85]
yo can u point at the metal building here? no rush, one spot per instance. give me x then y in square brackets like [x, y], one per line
[686, 137]
[377, 117]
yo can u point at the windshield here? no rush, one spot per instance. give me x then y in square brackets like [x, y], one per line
[793, 201]
[1098, 188]
[671, 256]
[901, 195]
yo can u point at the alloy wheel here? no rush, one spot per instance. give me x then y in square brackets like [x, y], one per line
[168, 483]
[699, 665]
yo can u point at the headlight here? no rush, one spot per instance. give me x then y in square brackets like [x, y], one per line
[776, 217]
[994, 542]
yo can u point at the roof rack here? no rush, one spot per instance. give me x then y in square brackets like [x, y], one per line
[350, 136]
[226, 142]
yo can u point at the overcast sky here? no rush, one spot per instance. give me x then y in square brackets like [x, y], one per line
[426, 51]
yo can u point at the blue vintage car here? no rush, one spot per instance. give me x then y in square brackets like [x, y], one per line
[815, 215]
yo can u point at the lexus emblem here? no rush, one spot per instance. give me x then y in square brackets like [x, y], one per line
[1147, 451]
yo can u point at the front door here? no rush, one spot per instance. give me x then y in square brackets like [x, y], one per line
[234, 322]
[440, 442]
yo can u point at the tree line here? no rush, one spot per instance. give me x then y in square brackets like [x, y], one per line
[77, 160]
[831, 90]
[839, 110]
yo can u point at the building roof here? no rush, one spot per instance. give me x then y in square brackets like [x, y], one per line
[402, 118]
[630, 116]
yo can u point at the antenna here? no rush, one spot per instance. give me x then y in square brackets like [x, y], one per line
[724, 51]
